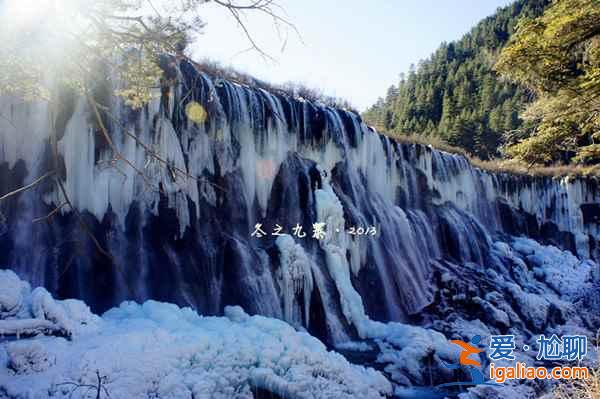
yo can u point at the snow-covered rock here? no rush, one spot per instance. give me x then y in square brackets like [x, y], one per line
[27, 313]
[160, 350]
[13, 293]
[533, 308]
[27, 357]
[560, 270]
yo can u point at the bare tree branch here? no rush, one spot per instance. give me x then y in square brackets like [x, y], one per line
[27, 187]
[153, 154]
[51, 214]
[261, 6]
[115, 150]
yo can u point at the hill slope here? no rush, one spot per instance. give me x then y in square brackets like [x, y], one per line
[455, 94]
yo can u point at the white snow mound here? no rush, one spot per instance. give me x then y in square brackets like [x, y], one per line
[159, 350]
[28, 313]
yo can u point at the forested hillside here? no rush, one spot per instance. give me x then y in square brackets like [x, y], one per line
[456, 94]
[557, 57]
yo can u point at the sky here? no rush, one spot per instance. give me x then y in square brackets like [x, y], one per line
[353, 49]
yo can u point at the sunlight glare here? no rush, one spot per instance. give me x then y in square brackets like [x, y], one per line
[41, 29]
[44, 18]
[23, 13]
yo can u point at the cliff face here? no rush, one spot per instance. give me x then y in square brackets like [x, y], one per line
[443, 227]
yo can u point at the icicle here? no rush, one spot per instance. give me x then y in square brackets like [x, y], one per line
[335, 245]
[295, 276]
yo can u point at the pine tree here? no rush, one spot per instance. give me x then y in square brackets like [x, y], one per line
[457, 77]
[557, 55]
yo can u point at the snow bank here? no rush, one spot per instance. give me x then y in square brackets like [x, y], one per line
[560, 270]
[406, 349]
[25, 312]
[13, 292]
[161, 350]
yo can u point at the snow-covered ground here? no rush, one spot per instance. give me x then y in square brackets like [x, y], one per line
[158, 350]
[60, 349]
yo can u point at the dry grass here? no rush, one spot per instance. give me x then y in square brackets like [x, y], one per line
[580, 389]
[500, 165]
[519, 168]
[433, 141]
[290, 89]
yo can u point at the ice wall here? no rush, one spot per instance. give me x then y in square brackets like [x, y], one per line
[177, 221]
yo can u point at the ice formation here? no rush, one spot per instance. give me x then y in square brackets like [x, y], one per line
[160, 350]
[457, 249]
[295, 277]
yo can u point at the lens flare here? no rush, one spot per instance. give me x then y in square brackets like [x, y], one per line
[196, 112]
